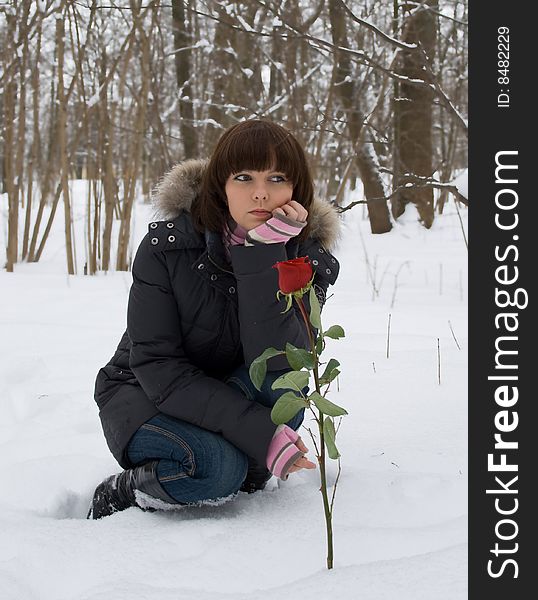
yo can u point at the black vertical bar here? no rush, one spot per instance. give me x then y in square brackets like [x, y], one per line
[503, 242]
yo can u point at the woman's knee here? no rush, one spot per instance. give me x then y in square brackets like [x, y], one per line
[194, 463]
[217, 475]
[226, 470]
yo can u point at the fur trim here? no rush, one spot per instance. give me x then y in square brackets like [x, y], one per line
[179, 187]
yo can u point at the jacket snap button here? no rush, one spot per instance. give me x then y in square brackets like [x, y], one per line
[321, 250]
[170, 225]
[333, 260]
[213, 277]
[328, 271]
[201, 266]
[154, 241]
[153, 225]
[171, 238]
[231, 290]
[315, 262]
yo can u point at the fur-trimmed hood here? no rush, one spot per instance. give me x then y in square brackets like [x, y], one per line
[179, 187]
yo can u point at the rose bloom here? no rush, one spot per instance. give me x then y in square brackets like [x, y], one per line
[294, 274]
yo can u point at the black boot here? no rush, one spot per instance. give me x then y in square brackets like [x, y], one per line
[118, 492]
[256, 479]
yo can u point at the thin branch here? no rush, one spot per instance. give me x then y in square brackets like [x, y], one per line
[453, 335]
[377, 31]
[334, 486]
[411, 186]
[313, 440]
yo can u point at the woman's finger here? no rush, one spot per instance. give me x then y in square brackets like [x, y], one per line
[300, 444]
[304, 463]
[301, 463]
[290, 212]
[302, 213]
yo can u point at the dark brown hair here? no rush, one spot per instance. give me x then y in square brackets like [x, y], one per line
[255, 145]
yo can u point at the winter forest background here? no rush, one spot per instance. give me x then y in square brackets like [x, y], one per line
[98, 99]
[115, 93]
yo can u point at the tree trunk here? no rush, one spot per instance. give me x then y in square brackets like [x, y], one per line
[107, 176]
[182, 57]
[62, 144]
[374, 190]
[36, 144]
[415, 147]
[10, 98]
[13, 201]
[130, 181]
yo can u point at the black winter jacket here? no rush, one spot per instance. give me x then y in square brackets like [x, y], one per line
[193, 318]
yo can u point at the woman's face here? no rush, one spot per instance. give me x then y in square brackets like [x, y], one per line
[254, 195]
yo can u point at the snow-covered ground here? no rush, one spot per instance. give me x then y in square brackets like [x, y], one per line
[401, 507]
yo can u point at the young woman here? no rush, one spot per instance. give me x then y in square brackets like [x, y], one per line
[176, 403]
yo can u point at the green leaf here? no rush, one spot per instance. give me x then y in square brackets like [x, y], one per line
[286, 407]
[326, 406]
[299, 358]
[335, 332]
[293, 380]
[320, 345]
[315, 311]
[330, 371]
[289, 300]
[258, 368]
[329, 436]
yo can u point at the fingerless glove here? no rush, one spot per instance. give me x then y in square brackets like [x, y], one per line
[276, 229]
[282, 451]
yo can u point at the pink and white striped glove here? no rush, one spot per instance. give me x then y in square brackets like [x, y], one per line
[278, 228]
[282, 451]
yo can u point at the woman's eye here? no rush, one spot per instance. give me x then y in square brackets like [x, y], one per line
[247, 177]
[242, 177]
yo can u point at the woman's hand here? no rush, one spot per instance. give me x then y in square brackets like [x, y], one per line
[287, 448]
[303, 462]
[293, 210]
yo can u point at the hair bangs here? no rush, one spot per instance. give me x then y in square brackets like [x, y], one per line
[261, 147]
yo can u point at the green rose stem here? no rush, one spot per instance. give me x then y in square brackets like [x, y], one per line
[321, 458]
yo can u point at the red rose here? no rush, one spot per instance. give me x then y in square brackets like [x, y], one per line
[294, 274]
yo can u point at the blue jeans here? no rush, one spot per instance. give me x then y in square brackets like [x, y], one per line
[195, 464]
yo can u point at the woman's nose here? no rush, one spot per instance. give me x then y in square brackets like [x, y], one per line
[260, 194]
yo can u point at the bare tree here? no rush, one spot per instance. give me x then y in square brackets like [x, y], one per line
[413, 115]
[183, 51]
[366, 162]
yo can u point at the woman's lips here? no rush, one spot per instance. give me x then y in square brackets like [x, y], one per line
[260, 213]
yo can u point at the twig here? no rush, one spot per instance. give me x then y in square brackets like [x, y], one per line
[417, 183]
[316, 418]
[313, 440]
[367, 260]
[383, 277]
[438, 361]
[375, 292]
[461, 225]
[406, 263]
[334, 487]
[388, 336]
[373, 365]
[453, 335]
